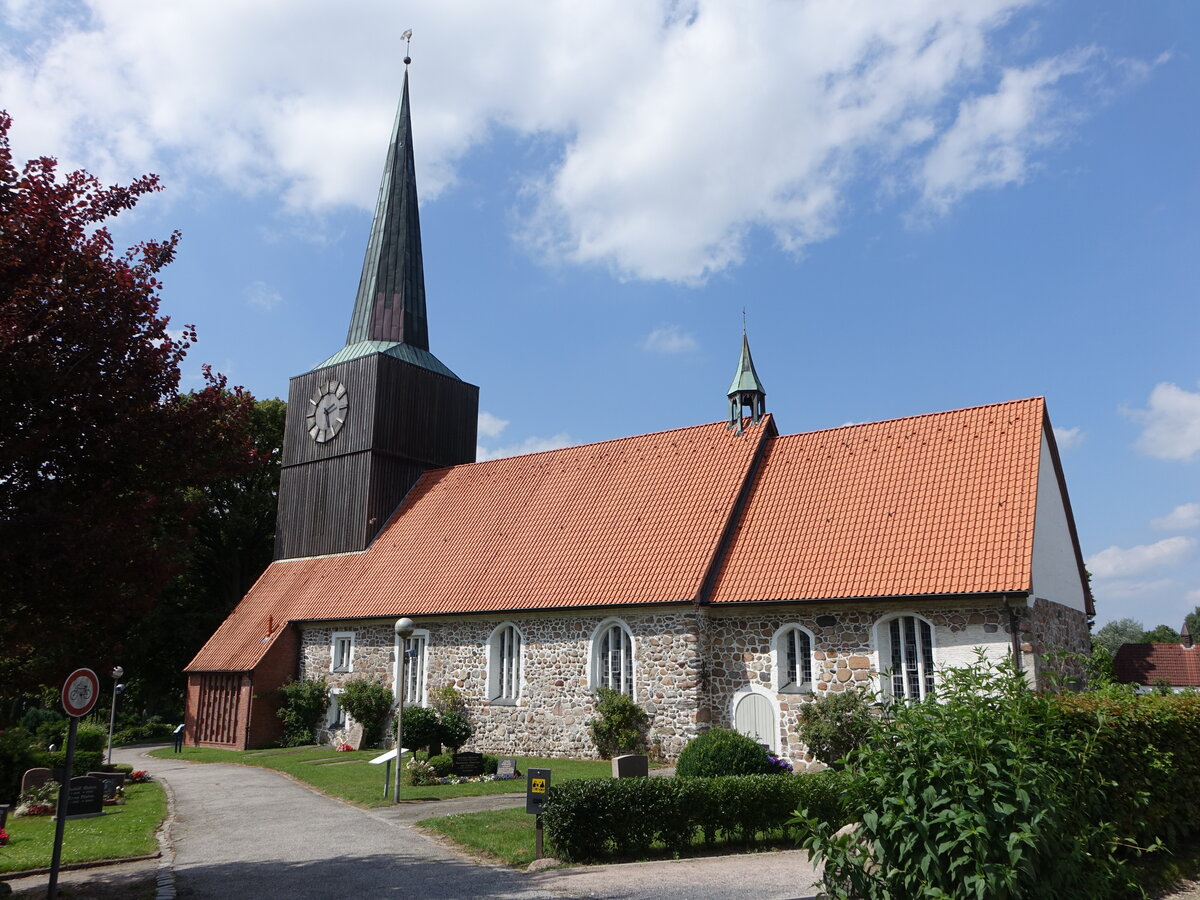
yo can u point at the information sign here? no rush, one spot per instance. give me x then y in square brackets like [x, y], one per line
[80, 692]
[537, 785]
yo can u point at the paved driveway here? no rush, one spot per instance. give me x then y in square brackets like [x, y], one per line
[246, 832]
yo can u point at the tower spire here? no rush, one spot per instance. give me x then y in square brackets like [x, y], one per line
[390, 305]
[746, 394]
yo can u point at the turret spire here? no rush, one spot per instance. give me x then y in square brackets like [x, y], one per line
[390, 305]
[747, 396]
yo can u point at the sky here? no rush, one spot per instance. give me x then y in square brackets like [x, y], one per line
[915, 206]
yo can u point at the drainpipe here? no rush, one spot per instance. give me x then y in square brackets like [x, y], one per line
[1014, 633]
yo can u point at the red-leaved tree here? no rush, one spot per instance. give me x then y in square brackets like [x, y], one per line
[99, 452]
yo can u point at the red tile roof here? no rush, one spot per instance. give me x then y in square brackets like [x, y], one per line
[636, 520]
[936, 504]
[1150, 664]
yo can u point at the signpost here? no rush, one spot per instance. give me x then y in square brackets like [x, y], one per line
[79, 695]
[537, 784]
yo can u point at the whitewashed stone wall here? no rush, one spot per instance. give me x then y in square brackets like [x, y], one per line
[689, 665]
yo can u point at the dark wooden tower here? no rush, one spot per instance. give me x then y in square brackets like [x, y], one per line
[363, 425]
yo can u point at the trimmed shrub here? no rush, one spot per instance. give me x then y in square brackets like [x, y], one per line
[420, 726]
[85, 761]
[143, 733]
[369, 703]
[620, 724]
[443, 764]
[591, 819]
[723, 751]
[455, 729]
[304, 706]
[835, 724]
[16, 755]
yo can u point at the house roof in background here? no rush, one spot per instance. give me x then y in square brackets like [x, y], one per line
[1150, 664]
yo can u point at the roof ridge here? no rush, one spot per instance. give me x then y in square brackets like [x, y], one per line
[945, 412]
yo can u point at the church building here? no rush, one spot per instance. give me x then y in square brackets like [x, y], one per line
[721, 574]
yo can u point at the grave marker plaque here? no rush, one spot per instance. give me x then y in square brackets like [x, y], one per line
[632, 765]
[111, 781]
[85, 797]
[507, 766]
[354, 737]
[35, 778]
[467, 764]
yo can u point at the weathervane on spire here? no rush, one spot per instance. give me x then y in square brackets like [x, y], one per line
[407, 38]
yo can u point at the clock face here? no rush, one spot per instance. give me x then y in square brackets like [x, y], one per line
[327, 411]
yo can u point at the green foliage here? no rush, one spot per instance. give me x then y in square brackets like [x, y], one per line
[455, 729]
[369, 702]
[421, 773]
[446, 699]
[1117, 632]
[620, 724]
[304, 705]
[723, 751]
[151, 730]
[594, 818]
[89, 736]
[443, 764]
[420, 726]
[85, 760]
[835, 724]
[16, 755]
[985, 792]
[46, 725]
[1162, 634]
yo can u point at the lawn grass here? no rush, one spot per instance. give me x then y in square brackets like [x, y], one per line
[122, 832]
[348, 775]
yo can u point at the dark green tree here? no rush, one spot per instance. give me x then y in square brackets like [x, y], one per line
[1163, 634]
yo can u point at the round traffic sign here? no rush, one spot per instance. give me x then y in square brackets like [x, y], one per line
[80, 692]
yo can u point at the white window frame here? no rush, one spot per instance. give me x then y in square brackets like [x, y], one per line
[785, 680]
[506, 664]
[336, 717]
[347, 663]
[415, 670]
[916, 676]
[602, 666]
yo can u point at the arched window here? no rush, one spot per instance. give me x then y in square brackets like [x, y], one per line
[504, 664]
[612, 657]
[793, 648]
[907, 655]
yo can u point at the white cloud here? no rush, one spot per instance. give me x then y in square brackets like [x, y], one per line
[529, 445]
[669, 339]
[1119, 562]
[1182, 518]
[491, 426]
[701, 122]
[1068, 438]
[262, 295]
[1171, 424]
[990, 143]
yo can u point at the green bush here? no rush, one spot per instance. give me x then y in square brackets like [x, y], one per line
[834, 724]
[420, 727]
[723, 751]
[85, 760]
[620, 724]
[16, 755]
[369, 702]
[443, 764]
[143, 733]
[591, 819]
[983, 792]
[303, 708]
[455, 729]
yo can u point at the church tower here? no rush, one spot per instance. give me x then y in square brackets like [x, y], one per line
[747, 396]
[365, 424]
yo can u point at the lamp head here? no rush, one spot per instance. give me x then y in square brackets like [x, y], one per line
[404, 627]
[117, 672]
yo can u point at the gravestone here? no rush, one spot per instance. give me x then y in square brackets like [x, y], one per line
[507, 766]
[354, 736]
[111, 781]
[632, 765]
[467, 764]
[85, 797]
[34, 778]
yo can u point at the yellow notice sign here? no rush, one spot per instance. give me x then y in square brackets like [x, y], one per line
[537, 789]
[538, 786]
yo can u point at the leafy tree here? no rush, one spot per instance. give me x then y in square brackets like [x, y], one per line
[1163, 634]
[304, 706]
[455, 729]
[99, 448]
[1118, 632]
[620, 724]
[369, 702]
[1192, 620]
[834, 724]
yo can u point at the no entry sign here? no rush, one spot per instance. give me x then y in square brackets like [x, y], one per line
[80, 692]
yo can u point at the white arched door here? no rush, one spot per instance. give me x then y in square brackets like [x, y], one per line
[754, 716]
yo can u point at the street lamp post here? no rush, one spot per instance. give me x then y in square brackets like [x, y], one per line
[117, 672]
[404, 630]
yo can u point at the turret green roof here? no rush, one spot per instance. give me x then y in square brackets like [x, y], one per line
[745, 378]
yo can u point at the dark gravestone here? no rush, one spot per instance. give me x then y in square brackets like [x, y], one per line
[507, 766]
[34, 778]
[85, 797]
[633, 765]
[111, 781]
[467, 764]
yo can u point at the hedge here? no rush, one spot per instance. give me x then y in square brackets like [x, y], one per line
[592, 818]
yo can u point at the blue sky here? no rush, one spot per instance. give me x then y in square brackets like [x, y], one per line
[920, 206]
